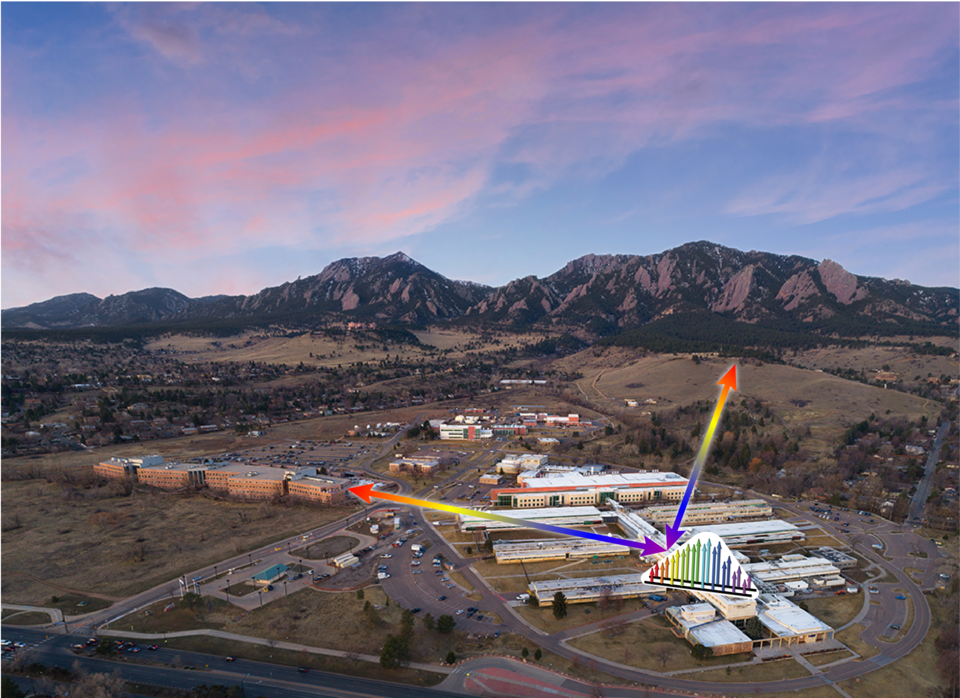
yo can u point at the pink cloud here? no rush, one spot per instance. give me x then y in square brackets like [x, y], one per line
[407, 139]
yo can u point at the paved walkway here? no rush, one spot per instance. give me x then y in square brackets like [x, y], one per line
[56, 615]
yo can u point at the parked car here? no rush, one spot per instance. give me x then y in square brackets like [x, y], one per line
[442, 598]
[900, 597]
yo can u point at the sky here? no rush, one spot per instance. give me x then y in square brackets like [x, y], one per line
[223, 148]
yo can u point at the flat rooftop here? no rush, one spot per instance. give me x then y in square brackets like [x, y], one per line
[784, 618]
[546, 513]
[709, 506]
[613, 481]
[617, 581]
[718, 633]
[746, 528]
[786, 569]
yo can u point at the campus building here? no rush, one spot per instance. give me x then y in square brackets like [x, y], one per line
[172, 476]
[793, 568]
[787, 624]
[701, 513]
[700, 624]
[558, 516]
[426, 465]
[592, 589]
[751, 532]
[125, 467]
[592, 490]
[540, 550]
[513, 463]
[240, 480]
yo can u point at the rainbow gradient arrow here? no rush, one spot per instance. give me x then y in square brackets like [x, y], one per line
[673, 533]
[366, 493]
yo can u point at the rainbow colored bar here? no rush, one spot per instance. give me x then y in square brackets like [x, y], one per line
[702, 564]
[366, 492]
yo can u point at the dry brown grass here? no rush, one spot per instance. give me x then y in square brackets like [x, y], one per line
[93, 543]
[834, 610]
[768, 671]
[832, 403]
[828, 657]
[328, 547]
[328, 351]
[577, 615]
[645, 644]
[25, 618]
[337, 665]
[851, 638]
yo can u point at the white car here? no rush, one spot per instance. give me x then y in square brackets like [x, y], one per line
[460, 612]
[387, 555]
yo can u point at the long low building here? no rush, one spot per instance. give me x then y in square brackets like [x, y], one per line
[791, 568]
[235, 479]
[591, 589]
[591, 490]
[539, 550]
[557, 516]
[634, 527]
[709, 512]
[787, 624]
[752, 532]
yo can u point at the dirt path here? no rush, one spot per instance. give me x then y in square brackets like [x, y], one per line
[594, 387]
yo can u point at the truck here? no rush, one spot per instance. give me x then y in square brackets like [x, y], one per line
[657, 597]
[416, 547]
[383, 575]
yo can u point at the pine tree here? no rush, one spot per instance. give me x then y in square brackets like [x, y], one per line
[559, 605]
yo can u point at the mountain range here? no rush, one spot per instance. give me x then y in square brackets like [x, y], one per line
[594, 295]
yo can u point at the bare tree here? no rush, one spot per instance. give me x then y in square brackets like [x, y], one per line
[596, 691]
[664, 653]
[101, 686]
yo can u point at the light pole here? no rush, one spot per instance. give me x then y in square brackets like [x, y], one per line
[260, 596]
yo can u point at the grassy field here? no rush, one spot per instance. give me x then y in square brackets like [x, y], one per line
[25, 618]
[768, 671]
[577, 615]
[919, 671]
[136, 541]
[851, 638]
[915, 574]
[326, 548]
[828, 657]
[834, 610]
[831, 402]
[648, 644]
[260, 653]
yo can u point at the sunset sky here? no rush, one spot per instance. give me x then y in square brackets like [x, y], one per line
[222, 148]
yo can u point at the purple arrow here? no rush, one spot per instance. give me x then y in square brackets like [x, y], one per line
[649, 547]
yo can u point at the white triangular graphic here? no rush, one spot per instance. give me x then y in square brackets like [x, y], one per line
[703, 563]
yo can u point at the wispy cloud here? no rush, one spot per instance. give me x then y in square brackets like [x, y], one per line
[317, 128]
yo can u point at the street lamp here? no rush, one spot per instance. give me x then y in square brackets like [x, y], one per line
[260, 596]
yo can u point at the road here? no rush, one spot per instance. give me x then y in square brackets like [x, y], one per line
[424, 590]
[923, 488]
[256, 678]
